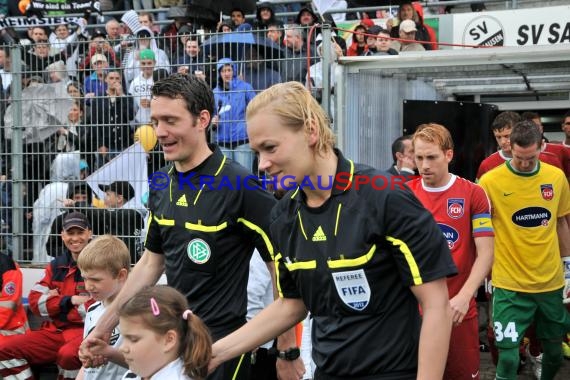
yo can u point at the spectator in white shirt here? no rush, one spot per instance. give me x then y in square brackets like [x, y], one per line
[141, 86]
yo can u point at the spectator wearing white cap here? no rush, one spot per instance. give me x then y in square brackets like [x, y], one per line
[95, 83]
[413, 11]
[408, 36]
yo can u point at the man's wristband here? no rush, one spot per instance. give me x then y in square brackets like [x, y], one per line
[289, 354]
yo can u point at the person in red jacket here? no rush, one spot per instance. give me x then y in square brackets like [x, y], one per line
[61, 298]
[358, 45]
[432, 36]
[13, 318]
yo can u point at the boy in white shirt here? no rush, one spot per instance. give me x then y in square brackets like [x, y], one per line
[141, 86]
[104, 267]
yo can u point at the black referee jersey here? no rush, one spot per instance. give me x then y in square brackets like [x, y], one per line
[353, 261]
[207, 223]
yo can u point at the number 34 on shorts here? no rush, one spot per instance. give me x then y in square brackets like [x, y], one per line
[507, 332]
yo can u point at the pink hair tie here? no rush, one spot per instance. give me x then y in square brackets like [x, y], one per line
[154, 307]
[186, 314]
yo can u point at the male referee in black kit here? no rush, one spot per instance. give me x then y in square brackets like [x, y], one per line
[206, 217]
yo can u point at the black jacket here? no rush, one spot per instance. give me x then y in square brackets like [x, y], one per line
[110, 123]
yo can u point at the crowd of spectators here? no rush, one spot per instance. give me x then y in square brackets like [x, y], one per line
[108, 72]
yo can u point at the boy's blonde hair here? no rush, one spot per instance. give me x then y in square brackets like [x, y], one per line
[106, 252]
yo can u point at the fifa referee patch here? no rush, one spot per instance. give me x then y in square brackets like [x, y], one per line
[10, 288]
[353, 289]
[198, 251]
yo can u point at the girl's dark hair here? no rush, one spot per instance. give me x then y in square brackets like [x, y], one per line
[79, 188]
[195, 343]
[221, 27]
[74, 84]
[78, 104]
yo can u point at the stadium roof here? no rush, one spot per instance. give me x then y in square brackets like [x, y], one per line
[538, 71]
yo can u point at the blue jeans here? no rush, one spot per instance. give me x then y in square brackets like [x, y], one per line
[242, 154]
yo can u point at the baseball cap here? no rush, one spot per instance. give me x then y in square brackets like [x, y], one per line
[98, 58]
[98, 33]
[374, 29]
[146, 54]
[77, 220]
[408, 26]
[185, 29]
[123, 188]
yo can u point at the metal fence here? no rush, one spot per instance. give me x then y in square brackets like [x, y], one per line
[72, 110]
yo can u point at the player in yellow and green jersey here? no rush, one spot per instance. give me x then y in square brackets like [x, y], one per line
[530, 213]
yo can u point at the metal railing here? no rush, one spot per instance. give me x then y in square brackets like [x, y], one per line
[65, 130]
[350, 10]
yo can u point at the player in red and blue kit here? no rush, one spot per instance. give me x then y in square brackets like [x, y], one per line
[462, 211]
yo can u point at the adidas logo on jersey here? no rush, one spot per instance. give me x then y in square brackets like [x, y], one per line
[319, 235]
[182, 201]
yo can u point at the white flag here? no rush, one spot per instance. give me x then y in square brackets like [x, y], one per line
[323, 5]
[130, 165]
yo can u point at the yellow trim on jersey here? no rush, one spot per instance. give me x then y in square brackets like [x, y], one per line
[215, 174]
[357, 261]
[203, 228]
[239, 365]
[148, 222]
[201, 188]
[312, 264]
[164, 222]
[295, 193]
[170, 182]
[403, 247]
[278, 283]
[198, 195]
[301, 224]
[221, 166]
[349, 184]
[337, 218]
[262, 233]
